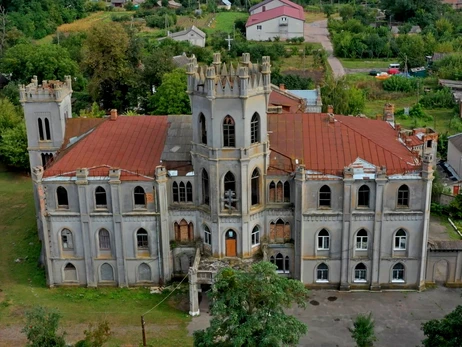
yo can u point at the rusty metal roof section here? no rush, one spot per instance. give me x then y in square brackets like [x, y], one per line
[327, 144]
[132, 144]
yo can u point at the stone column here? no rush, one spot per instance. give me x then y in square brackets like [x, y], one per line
[193, 293]
[348, 201]
[380, 182]
[427, 179]
[164, 251]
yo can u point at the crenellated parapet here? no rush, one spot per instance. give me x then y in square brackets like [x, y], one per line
[221, 80]
[45, 92]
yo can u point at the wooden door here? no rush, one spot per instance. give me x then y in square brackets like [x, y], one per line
[231, 244]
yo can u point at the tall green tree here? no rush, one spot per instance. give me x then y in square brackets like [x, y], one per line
[345, 98]
[363, 330]
[248, 309]
[444, 332]
[47, 61]
[171, 96]
[156, 64]
[105, 59]
[13, 147]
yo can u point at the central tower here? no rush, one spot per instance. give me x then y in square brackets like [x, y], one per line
[230, 150]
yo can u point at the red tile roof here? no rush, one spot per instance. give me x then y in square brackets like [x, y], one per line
[275, 13]
[329, 147]
[287, 2]
[132, 144]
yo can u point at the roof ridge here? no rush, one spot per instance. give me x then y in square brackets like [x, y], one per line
[382, 147]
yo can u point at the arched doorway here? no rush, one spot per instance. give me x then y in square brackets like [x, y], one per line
[440, 272]
[231, 243]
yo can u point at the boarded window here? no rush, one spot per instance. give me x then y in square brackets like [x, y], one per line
[70, 273]
[184, 232]
[279, 231]
[144, 272]
[104, 240]
[66, 240]
[107, 273]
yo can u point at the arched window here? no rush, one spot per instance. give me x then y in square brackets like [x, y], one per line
[175, 192]
[398, 273]
[230, 197]
[107, 273]
[360, 273]
[286, 191]
[403, 196]
[139, 197]
[279, 231]
[279, 192]
[104, 240]
[47, 129]
[255, 187]
[144, 272]
[203, 128]
[400, 240]
[46, 157]
[363, 196]
[100, 197]
[323, 240]
[182, 192]
[280, 262]
[272, 192]
[255, 128]
[61, 195]
[70, 273]
[361, 240]
[207, 235]
[228, 132]
[324, 196]
[189, 194]
[40, 129]
[205, 188]
[322, 273]
[256, 236]
[142, 239]
[67, 241]
[287, 264]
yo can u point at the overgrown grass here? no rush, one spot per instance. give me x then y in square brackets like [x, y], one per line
[224, 21]
[366, 64]
[22, 285]
[452, 234]
[313, 16]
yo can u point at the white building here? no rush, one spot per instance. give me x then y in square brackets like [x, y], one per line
[193, 35]
[275, 18]
[455, 153]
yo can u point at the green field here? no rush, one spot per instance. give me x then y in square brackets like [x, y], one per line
[367, 64]
[22, 285]
[224, 21]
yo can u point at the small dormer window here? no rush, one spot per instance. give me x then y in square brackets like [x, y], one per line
[258, 27]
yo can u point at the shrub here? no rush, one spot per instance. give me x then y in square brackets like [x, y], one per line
[400, 84]
[42, 328]
[440, 99]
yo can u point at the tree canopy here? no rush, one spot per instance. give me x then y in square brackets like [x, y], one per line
[444, 332]
[171, 97]
[248, 309]
[346, 99]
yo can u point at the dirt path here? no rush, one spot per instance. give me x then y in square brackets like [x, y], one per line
[317, 32]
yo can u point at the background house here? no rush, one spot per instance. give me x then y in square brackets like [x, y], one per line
[455, 153]
[275, 18]
[193, 35]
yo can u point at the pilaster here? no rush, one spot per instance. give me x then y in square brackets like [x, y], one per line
[164, 250]
[299, 202]
[348, 200]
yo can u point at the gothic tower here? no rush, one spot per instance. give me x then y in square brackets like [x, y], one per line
[46, 108]
[230, 150]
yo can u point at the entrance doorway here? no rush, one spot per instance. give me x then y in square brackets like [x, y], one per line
[231, 244]
[440, 272]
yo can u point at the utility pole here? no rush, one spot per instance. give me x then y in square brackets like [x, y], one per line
[143, 331]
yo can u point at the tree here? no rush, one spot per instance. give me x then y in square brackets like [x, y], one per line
[105, 52]
[346, 99]
[363, 330]
[156, 65]
[445, 332]
[171, 97]
[247, 309]
[95, 336]
[47, 61]
[412, 50]
[42, 328]
[13, 147]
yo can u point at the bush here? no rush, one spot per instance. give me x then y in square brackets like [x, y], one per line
[121, 17]
[400, 84]
[440, 99]
[42, 328]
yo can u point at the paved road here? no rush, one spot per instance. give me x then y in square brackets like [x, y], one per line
[398, 315]
[317, 32]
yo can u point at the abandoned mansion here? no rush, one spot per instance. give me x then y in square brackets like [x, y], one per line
[333, 201]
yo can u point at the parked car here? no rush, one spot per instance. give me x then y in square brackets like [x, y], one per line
[393, 71]
[373, 73]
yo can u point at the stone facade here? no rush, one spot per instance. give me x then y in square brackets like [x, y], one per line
[364, 228]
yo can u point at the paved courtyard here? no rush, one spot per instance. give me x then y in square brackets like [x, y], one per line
[398, 315]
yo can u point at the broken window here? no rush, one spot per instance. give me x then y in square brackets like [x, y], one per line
[228, 132]
[61, 195]
[139, 197]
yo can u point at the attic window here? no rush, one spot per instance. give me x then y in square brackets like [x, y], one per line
[284, 19]
[429, 144]
[258, 27]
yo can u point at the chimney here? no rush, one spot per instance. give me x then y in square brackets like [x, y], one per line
[331, 118]
[398, 127]
[330, 109]
[378, 117]
[282, 87]
[408, 141]
[113, 114]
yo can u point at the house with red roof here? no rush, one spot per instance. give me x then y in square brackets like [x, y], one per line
[275, 18]
[334, 201]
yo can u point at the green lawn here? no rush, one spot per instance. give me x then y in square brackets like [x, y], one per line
[366, 64]
[224, 21]
[452, 234]
[22, 285]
